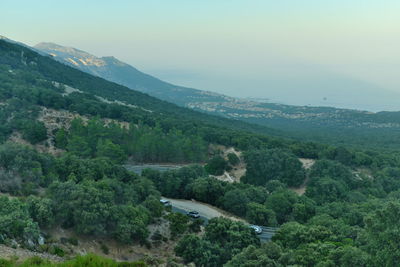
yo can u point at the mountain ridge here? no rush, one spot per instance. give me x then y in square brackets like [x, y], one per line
[325, 124]
[113, 69]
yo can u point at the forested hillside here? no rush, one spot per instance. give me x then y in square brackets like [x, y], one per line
[65, 133]
[119, 72]
[324, 124]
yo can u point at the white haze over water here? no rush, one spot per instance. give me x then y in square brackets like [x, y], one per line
[308, 89]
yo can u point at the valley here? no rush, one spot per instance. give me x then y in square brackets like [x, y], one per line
[84, 163]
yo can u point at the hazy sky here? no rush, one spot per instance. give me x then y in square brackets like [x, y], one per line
[286, 50]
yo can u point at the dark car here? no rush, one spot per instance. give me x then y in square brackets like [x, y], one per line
[193, 214]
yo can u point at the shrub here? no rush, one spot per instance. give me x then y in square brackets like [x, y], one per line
[233, 159]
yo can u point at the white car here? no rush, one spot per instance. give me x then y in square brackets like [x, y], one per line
[257, 229]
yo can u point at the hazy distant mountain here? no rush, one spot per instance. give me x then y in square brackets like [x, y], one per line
[119, 72]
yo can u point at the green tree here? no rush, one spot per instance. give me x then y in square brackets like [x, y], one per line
[350, 256]
[79, 146]
[334, 170]
[273, 164]
[304, 209]
[266, 256]
[233, 159]
[202, 252]
[216, 166]
[129, 223]
[282, 203]
[382, 235]
[344, 156]
[259, 214]
[15, 221]
[293, 235]
[223, 239]
[236, 201]
[179, 224]
[41, 210]
[230, 234]
[61, 138]
[275, 185]
[34, 132]
[106, 148]
[153, 204]
[207, 190]
[323, 190]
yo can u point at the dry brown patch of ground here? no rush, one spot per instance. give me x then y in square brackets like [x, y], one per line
[54, 120]
[307, 164]
[22, 254]
[237, 171]
[159, 251]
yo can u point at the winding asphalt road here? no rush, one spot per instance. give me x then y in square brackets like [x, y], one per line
[205, 211]
[137, 168]
[208, 212]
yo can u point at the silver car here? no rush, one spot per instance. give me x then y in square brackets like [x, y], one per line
[193, 214]
[165, 202]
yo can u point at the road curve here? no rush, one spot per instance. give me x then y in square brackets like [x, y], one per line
[205, 210]
[208, 212]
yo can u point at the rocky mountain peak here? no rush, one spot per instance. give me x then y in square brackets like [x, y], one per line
[70, 55]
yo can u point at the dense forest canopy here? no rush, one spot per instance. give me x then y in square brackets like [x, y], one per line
[347, 216]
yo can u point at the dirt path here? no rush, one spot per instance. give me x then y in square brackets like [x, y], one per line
[307, 164]
[205, 210]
